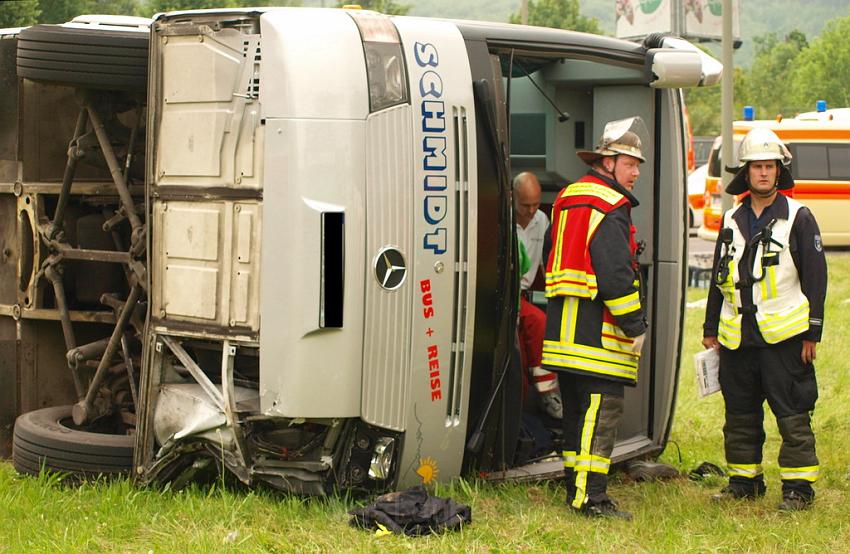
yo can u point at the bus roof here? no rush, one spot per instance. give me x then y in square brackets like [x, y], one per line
[519, 37]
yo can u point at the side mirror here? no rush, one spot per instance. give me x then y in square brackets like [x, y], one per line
[680, 64]
[673, 68]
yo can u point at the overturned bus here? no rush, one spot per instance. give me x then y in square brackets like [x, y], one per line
[280, 241]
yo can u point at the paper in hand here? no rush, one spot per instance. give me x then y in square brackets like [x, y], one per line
[707, 364]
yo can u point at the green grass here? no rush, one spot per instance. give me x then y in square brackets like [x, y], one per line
[42, 515]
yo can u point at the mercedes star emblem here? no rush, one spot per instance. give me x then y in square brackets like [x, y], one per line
[390, 268]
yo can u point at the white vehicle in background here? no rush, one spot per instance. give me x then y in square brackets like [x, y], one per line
[290, 251]
[696, 195]
[819, 142]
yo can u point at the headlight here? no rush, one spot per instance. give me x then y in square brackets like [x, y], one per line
[382, 458]
[385, 68]
[385, 71]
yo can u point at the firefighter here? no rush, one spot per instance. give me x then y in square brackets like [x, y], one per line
[595, 321]
[765, 317]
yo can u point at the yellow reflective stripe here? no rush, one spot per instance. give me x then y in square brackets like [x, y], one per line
[572, 274]
[750, 471]
[601, 354]
[581, 489]
[611, 329]
[732, 325]
[807, 473]
[589, 424]
[768, 284]
[771, 320]
[591, 366]
[569, 457]
[559, 242]
[776, 328]
[589, 462]
[595, 219]
[602, 192]
[791, 330]
[585, 442]
[624, 304]
[727, 287]
[729, 332]
[569, 316]
[613, 338]
[568, 290]
[571, 282]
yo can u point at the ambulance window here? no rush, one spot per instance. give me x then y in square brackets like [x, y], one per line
[715, 157]
[821, 161]
[714, 162]
[810, 162]
[839, 161]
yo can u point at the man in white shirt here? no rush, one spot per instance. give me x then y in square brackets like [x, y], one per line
[531, 228]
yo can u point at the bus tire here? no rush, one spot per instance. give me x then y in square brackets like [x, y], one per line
[88, 58]
[46, 439]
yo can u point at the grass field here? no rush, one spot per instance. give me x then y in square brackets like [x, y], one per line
[41, 515]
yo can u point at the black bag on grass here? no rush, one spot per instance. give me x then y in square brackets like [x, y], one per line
[412, 512]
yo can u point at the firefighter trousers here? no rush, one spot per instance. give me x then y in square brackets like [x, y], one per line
[776, 373]
[592, 411]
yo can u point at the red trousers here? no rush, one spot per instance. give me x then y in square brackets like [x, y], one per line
[532, 328]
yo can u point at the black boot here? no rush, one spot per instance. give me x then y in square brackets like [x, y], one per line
[604, 508]
[741, 490]
[793, 501]
[570, 480]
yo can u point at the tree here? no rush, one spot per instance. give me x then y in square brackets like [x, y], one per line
[559, 14]
[388, 7]
[704, 104]
[820, 71]
[19, 14]
[768, 89]
[766, 85]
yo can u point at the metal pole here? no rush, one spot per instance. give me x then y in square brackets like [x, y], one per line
[677, 26]
[726, 104]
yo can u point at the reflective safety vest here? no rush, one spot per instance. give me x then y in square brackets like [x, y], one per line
[590, 341]
[781, 308]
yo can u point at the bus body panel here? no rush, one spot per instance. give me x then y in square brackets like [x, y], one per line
[444, 238]
[295, 42]
[314, 168]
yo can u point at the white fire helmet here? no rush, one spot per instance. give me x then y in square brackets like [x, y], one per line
[623, 136]
[762, 144]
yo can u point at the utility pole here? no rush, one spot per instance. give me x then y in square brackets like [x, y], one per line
[523, 12]
[726, 105]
